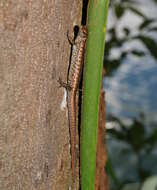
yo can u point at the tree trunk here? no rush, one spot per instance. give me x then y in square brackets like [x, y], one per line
[34, 53]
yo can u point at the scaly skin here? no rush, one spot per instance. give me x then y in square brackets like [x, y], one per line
[73, 79]
[73, 82]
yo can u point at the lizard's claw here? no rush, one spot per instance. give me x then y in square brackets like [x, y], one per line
[60, 82]
[63, 84]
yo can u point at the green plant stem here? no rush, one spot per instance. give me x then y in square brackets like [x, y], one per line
[97, 17]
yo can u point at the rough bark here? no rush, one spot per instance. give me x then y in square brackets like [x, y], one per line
[101, 178]
[34, 53]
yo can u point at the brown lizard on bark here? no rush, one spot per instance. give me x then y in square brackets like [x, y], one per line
[73, 78]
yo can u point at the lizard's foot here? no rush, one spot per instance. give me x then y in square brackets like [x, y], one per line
[70, 39]
[63, 84]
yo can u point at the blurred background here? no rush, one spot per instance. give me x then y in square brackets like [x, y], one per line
[131, 86]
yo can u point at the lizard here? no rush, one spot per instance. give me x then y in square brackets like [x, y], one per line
[73, 78]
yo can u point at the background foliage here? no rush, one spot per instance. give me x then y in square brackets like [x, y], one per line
[131, 145]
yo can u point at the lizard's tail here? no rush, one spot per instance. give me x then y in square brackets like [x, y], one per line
[73, 126]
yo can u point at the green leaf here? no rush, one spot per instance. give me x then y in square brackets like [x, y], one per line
[126, 31]
[136, 11]
[152, 29]
[152, 139]
[149, 43]
[138, 53]
[155, 1]
[111, 172]
[136, 135]
[111, 65]
[119, 10]
[145, 23]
